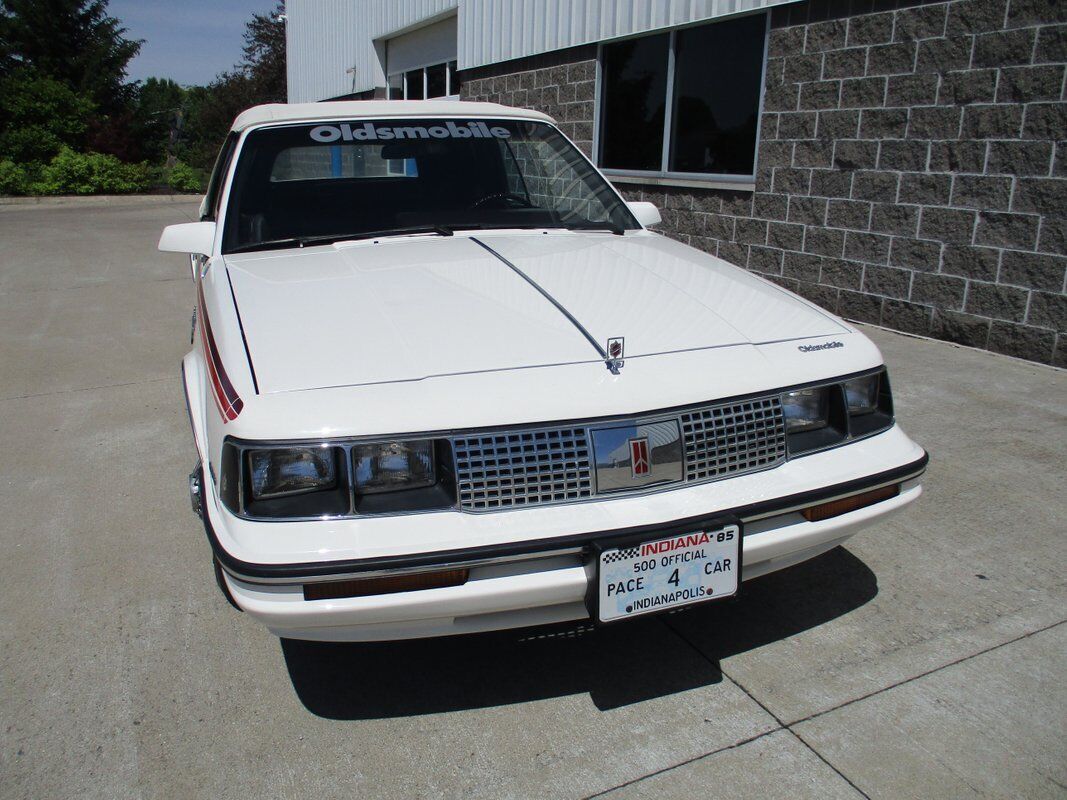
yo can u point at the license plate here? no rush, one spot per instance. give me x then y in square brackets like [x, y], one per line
[668, 573]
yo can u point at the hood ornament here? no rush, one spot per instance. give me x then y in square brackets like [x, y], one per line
[615, 352]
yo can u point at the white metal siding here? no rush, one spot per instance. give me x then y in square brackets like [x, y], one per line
[324, 38]
[428, 45]
[499, 30]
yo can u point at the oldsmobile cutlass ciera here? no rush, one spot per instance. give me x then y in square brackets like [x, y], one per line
[446, 380]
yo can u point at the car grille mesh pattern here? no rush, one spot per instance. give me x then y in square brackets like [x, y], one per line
[519, 468]
[738, 437]
[534, 467]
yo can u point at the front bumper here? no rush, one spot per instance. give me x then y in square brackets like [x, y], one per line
[518, 578]
[520, 594]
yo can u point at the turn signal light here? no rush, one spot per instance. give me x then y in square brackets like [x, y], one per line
[364, 587]
[836, 508]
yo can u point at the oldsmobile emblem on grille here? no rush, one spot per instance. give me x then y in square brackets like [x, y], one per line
[633, 454]
[639, 460]
[615, 352]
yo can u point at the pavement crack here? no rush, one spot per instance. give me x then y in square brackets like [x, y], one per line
[693, 760]
[789, 726]
[782, 724]
[82, 389]
[930, 671]
[92, 285]
[828, 763]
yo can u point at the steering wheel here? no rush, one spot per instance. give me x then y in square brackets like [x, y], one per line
[510, 200]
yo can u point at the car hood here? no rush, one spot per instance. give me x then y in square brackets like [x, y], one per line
[410, 308]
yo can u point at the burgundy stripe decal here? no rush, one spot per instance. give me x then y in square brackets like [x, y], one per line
[227, 400]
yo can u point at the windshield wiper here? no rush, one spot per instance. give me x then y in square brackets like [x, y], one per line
[611, 227]
[309, 241]
[440, 230]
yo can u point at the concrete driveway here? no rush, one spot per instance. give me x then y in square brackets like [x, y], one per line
[926, 659]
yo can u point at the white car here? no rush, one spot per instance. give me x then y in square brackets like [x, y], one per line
[445, 380]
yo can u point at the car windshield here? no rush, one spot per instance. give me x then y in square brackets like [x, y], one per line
[314, 183]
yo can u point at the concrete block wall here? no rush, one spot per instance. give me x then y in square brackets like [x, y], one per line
[560, 84]
[912, 166]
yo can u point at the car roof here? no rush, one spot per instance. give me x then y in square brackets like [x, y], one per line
[377, 109]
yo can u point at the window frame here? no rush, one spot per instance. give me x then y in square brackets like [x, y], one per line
[450, 75]
[664, 176]
[209, 208]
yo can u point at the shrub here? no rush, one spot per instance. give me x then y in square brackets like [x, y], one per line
[13, 178]
[91, 173]
[183, 178]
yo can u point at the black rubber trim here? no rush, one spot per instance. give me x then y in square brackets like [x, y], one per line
[241, 326]
[220, 581]
[325, 568]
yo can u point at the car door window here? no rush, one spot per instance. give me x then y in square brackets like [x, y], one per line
[210, 208]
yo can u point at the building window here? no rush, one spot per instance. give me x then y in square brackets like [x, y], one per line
[414, 84]
[435, 80]
[685, 103]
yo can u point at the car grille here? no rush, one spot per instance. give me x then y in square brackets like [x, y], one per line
[519, 468]
[554, 465]
[739, 437]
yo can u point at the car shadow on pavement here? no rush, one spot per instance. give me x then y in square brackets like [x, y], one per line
[617, 665]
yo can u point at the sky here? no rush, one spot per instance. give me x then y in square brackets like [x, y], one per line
[190, 41]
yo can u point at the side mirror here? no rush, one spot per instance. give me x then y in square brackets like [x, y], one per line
[195, 238]
[647, 213]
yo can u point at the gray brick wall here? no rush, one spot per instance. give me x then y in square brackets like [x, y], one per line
[561, 84]
[912, 167]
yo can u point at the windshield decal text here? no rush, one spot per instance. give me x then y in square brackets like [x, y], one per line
[369, 132]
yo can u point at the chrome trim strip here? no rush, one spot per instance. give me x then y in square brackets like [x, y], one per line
[544, 293]
[378, 573]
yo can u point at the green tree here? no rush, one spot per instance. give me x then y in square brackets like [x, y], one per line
[74, 42]
[38, 116]
[264, 55]
[160, 117]
[259, 78]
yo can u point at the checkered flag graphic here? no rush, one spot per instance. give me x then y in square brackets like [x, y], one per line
[620, 555]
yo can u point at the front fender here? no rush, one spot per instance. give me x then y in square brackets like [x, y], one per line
[193, 386]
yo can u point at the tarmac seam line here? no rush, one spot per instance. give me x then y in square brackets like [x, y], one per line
[783, 725]
[931, 671]
[94, 285]
[693, 760]
[83, 389]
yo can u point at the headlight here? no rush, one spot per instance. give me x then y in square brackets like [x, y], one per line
[393, 466]
[862, 394]
[806, 409]
[870, 404]
[820, 417]
[292, 470]
[315, 480]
